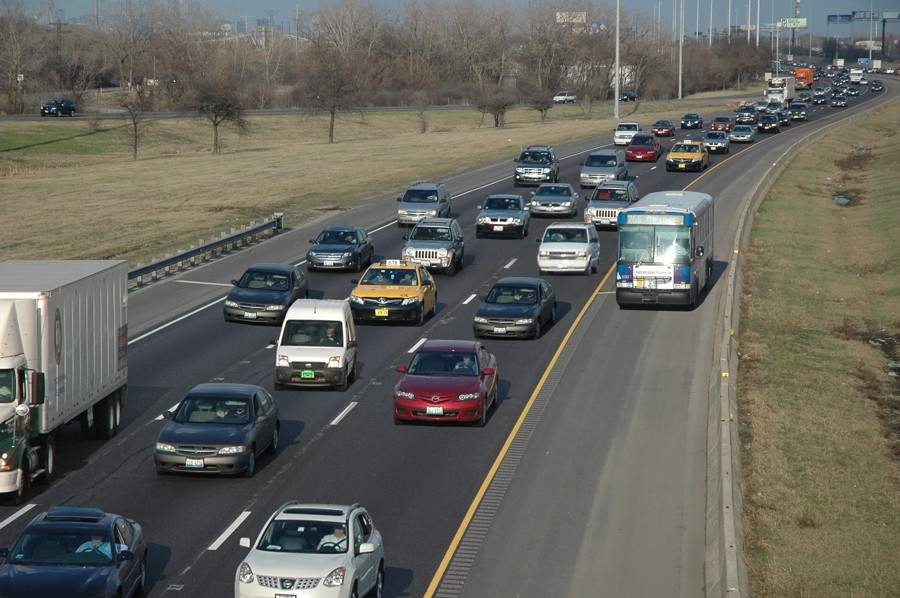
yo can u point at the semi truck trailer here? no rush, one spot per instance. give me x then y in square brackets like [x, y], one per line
[63, 358]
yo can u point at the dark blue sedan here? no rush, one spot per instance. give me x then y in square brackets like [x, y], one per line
[264, 293]
[75, 552]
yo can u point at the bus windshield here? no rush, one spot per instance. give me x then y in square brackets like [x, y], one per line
[654, 244]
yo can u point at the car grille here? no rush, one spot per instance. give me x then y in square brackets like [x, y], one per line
[682, 160]
[381, 301]
[425, 254]
[308, 365]
[331, 257]
[546, 204]
[500, 220]
[606, 213]
[252, 306]
[501, 321]
[196, 451]
[562, 255]
[288, 583]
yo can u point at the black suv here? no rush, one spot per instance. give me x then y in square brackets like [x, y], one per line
[537, 164]
[88, 551]
[58, 108]
[769, 123]
[745, 116]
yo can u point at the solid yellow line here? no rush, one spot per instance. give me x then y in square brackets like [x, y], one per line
[457, 538]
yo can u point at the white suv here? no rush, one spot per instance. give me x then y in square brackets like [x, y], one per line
[315, 549]
[569, 247]
[625, 131]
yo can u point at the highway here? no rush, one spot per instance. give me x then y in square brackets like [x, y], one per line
[592, 467]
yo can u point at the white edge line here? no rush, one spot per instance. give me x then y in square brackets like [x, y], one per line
[176, 320]
[469, 298]
[172, 408]
[16, 515]
[230, 530]
[417, 345]
[344, 413]
[210, 284]
[510, 263]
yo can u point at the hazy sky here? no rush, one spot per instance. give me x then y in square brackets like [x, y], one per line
[814, 10]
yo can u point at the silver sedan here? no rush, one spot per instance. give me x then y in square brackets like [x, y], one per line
[555, 199]
[742, 134]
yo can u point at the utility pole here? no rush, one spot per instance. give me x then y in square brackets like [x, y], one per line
[616, 85]
[680, 52]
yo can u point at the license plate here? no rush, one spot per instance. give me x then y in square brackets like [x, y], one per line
[327, 263]
[604, 221]
[498, 228]
[681, 166]
[425, 263]
[249, 316]
[285, 595]
[434, 411]
[499, 330]
[381, 312]
[194, 463]
[307, 374]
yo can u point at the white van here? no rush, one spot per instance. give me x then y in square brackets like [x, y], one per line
[317, 345]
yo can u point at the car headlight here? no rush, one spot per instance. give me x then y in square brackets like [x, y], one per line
[590, 212]
[483, 220]
[543, 253]
[245, 573]
[545, 170]
[229, 303]
[525, 321]
[409, 251]
[581, 254]
[311, 255]
[283, 361]
[275, 307]
[357, 300]
[469, 396]
[348, 255]
[410, 301]
[335, 578]
[567, 203]
[162, 447]
[334, 362]
[480, 320]
[401, 212]
[519, 170]
[232, 450]
[442, 252]
[405, 395]
[432, 212]
[518, 221]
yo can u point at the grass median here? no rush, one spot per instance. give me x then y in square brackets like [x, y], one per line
[76, 193]
[819, 405]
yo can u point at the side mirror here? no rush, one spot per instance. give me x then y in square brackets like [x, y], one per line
[487, 371]
[244, 542]
[399, 199]
[352, 344]
[354, 281]
[38, 388]
[234, 282]
[366, 548]
[401, 369]
[167, 415]
[406, 237]
[125, 555]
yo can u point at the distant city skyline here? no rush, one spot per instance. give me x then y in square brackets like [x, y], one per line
[282, 12]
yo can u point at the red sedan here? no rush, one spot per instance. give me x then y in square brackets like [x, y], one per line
[643, 147]
[447, 380]
[722, 123]
[663, 128]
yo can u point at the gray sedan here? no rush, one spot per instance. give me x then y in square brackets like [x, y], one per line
[218, 428]
[742, 134]
[555, 199]
[503, 215]
[516, 307]
[264, 293]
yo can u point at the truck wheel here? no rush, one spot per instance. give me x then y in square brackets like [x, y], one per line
[107, 418]
[48, 460]
[87, 423]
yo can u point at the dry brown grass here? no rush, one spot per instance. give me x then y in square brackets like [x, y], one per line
[77, 193]
[818, 408]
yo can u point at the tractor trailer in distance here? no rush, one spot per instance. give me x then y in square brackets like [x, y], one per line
[63, 349]
[781, 89]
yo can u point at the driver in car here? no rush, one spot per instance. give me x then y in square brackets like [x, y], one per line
[336, 540]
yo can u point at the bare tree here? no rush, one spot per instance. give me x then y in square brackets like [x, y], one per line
[21, 55]
[221, 111]
[136, 104]
[496, 102]
[77, 63]
[478, 36]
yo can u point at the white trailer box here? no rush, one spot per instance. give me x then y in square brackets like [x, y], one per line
[63, 357]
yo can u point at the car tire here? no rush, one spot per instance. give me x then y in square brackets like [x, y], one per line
[141, 579]
[483, 419]
[344, 382]
[451, 269]
[552, 315]
[399, 422]
[524, 232]
[537, 330]
[251, 464]
[420, 316]
[479, 234]
[378, 590]
[273, 446]
[354, 593]
[17, 497]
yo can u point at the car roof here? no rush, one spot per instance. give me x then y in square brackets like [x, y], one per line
[614, 184]
[270, 267]
[323, 512]
[399, 264]
[505, 195]
[570, 225]
[449, 345]
[84, 517]
[340, 228]
[425, 185]
[435, 221]
[605, 152]
[643, 136]
[519, 281]
[722, 118]
[223, 390]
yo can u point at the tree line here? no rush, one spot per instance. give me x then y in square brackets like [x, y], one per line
[351, 54]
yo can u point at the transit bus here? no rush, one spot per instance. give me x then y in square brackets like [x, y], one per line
[665, 249]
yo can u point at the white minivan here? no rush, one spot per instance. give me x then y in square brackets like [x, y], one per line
[317, 345]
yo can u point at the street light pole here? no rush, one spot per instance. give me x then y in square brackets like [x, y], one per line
[680, 51]
[616, 91]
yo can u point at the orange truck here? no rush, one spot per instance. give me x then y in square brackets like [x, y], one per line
[803, 78]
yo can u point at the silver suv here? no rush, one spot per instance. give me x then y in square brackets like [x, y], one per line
[437, 244]
[607, 200]
[423, 200]
[603, 165]
[321, 549]
[503, 215]
[535, 165]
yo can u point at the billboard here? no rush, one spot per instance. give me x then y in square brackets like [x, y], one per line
[865, 15]
[793, 23]
[840, 19]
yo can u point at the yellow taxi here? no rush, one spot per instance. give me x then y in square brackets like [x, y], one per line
[687, 155]
[394, 291]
